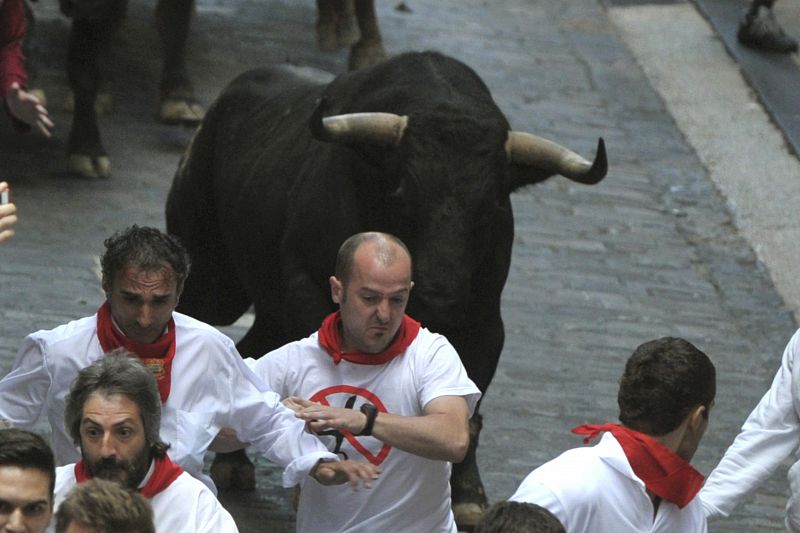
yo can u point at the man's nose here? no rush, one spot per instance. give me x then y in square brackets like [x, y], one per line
[107, 447]
[384, 310]
[145, 318]
[16, 521]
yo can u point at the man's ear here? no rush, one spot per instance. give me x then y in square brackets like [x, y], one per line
[698, 416]
[337, 290]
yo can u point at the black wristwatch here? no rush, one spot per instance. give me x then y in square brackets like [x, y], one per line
[371, 411]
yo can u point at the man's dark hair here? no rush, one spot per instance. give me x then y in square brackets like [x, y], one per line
[105, 507]
[118, 372]
[147, 249]
[663, 381]
[518, 517]
[386, 251]
[24, 449]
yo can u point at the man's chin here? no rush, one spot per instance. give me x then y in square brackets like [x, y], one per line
[118, 476]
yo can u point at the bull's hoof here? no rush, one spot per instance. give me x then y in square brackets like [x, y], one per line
[233, 471]
[89, 167]
[181, 111]
[467, 515]
[103, 103]
[365, 55]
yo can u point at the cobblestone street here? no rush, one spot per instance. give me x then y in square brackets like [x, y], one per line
[653, 250]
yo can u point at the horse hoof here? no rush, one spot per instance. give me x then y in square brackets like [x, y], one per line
[89, 167]
[181, 111]
[103, 103]
[467, 515]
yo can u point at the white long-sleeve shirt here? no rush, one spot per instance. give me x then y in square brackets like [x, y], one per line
[594, 490]
[211, 389]
[186, 506]
[769, 435]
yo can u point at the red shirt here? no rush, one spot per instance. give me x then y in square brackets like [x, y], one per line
[12, 30]
[12, 62]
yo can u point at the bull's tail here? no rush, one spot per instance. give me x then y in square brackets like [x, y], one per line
[213, 292]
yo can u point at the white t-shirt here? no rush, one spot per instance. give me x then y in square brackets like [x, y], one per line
[211, 389]
[186, 506]
[769, 435]
[412, 493]
[594, 490]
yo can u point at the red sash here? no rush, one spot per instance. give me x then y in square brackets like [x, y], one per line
[330, 338]
[156, 356]
[665, 473]
[164, 473]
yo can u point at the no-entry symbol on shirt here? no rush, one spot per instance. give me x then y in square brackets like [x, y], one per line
[343, 396]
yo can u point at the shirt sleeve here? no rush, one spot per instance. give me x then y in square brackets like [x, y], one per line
[23, 392]
[442, 374]
[259, 417]
[768, 437]
[12, 31]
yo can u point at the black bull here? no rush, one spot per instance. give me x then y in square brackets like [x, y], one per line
[269, 189]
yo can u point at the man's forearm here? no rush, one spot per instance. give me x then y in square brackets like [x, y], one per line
[443, 437]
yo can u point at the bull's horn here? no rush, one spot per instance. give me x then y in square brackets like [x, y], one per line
[528, 149]
[372, 128]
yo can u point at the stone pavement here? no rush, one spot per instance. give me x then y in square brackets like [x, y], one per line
[653, 250]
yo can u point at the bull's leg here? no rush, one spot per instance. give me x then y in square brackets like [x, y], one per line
[178, 103]
[469, 497]
[369, 49]
[265, 335]
[336, 24]
[90, 34]
[479, 350]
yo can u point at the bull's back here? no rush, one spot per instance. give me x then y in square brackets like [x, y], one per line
[262, 136]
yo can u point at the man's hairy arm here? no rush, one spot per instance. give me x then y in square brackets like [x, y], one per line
[441, 433]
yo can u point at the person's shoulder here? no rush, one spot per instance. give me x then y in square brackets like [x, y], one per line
[65, 334]
[298, 351]
[80, 326]
[187, 326]
[576, 470]
[429, 341]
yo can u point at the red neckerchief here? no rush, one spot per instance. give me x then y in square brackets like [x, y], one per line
[665, 473]
[164, 473]
[330, 338]
[156, 356]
